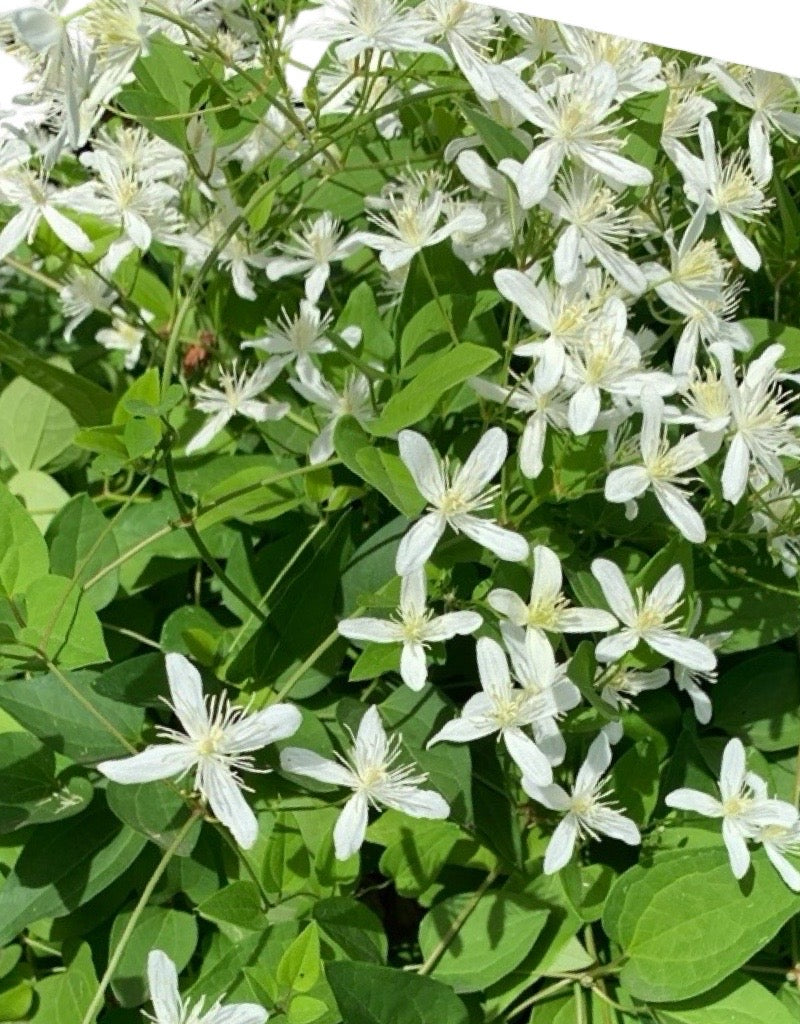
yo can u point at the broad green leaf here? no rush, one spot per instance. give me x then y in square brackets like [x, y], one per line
[41, 494]
[173, 931]
[644, 118]
[35, 428]
[440, 374]
[739, 1000]
[497, 935]
[237, 904]
[499, 140]
[368, 994]
[90, 404]
[60, 622]
[722, 923]
[156, 810]
[71, 717]
[23, 552]
[64, 998]
[384, 471]
[69, 863]
[165, 78]
[300, 966]
[759, 699]
[770, 332]
[82, 544]
[354, 929]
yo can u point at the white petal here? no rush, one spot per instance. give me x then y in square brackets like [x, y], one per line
[738, 854]
[225, 799]
[451, 624]
[561, 845]
[598, 759]
[520, 289]
[615, 590]
[680, 511]
[271, 724]
[787, 871]
[463, 730]
[612, 648]
[586, 620]
[299, 761]
[547, 576]
[371, 740]
[735, 470]
[527, 756]
[17, 230]
[206, 434]
[158, 762]
[584, 408]
[615, 167]
[566, 259]
[417, 545]
[694, 800]
[747, 253]
[419, 803]
[350, 827]
[413, 666]
[186, 691]
[617, 826]
[685, 650]
[236, 1013]
[668, 590]
[379, 631]
[537, 173]
[68, 231]
[493, 669]
[626, 484]
[162, 982]
[422, 463]
[732, 770]
[506, 544]
[507, 603]
[413, 592]
[484, 463]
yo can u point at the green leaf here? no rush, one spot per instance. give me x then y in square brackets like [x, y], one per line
[41, 494]
[90, 404]
[367, 994]
[69, 863]
[70, 718]
[439, 375]
[498, 934]
[23, 552]
[770, 332]
[156, 810]
[382, 470]
[646, 112]
[34, 427]
[165, 78]
[759, 700]
[65, 997]
[81, 544]
[499, 140]
[738, 1000]
[237, 904]
[300, 966]
[172, 931]
[355, 930]
[721, 925]
[61, 623]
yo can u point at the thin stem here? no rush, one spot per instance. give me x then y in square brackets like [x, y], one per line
[437, 297]
[441, 946]
[311, 660]
[147, 892]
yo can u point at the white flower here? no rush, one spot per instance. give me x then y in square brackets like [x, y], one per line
[369, 772]
[635, 69]
[548, 610]
[651, 618]
[82, 293]
[217, 743]
[170, 1008]
[618, 684]
[122, 336]
[353, 400]
[508, 710]
[609, 361]
[597, 228]
[360, 25]
[743, 806]
[310, 250]
[453, 496]
[542, 399]
[571, 114]
[778, 840]
[587, 809]
[730, 189]
[415, 627]
[465, 30]
[761, 428]
[662, 468]
[409, 224]
[301, 336]
[236, 396]
[774, 102]
[36, 200]
[689, 680]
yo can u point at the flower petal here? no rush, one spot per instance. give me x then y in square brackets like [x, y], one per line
[351, 827]
[225, 799]
[277, 722]
[422, 463]
[561, 845]
[418, 543]
[506, 544]
[158, 762]
[162, 982]
[299, 761]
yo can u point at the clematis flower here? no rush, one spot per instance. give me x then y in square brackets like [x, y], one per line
[548, 610]
[370, 772]
[236, 396]
[36, 200]
[453, 496]
[743, 806]
[217, 743]
[778, 840]
[170, 1008]
[415, 627]
[651, 618]
[571, 114]
[352, 400]
[662, 468]
[730, 189]
[299, 337]
[588, 809]
[507, 710]
[310, 250]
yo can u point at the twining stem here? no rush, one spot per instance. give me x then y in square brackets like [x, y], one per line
[147, 892]
[437, 298]
[441, 946]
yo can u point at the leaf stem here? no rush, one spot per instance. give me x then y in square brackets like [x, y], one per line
[441, 946]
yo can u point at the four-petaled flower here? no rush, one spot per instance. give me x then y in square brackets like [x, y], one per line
[217, 743]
